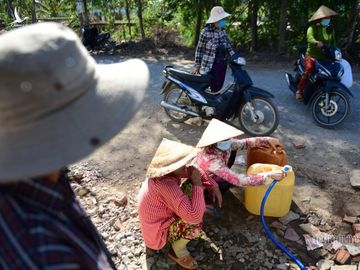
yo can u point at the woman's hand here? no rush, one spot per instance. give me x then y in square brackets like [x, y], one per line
[195, 176]
[319, 44]
[196, 70]
[275, 175]
[216, 196]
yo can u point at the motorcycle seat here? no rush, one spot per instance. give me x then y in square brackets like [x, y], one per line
[188, 77]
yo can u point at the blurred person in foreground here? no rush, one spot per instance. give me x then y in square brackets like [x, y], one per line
[57, 106]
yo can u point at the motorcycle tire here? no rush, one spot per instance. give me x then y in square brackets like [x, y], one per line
[267, 117]
[177, 96]
[108, 46]
[338, 111]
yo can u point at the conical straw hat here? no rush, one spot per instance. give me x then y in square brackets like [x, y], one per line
[322, 13]
[169, 157]
[217, 131]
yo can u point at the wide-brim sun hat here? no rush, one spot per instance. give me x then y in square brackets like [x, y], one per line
[169, 157]
[56, 104]
[217, 131]
[217, 14]
[322, 13]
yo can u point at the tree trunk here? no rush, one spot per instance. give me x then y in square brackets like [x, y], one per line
[352, 22]
[199, 13]
[127, 8]
[33, 12]
[10, 9]
[253, 11]
[282, 25]
[86, 13]
[139, 14]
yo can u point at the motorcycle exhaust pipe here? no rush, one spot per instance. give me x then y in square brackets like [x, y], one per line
[178, 109]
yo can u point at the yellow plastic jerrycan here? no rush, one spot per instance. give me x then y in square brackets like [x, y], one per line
[279, 201]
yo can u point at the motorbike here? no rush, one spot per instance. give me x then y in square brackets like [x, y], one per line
[327, 91]
[95, 41]
[187, 95]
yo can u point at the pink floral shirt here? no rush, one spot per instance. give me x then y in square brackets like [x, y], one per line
[212, 161]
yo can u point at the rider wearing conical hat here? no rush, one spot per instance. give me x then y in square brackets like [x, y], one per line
[319, 33]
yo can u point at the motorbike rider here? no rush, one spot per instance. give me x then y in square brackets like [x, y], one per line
[320, 32]
[212, 48]
[89, 36]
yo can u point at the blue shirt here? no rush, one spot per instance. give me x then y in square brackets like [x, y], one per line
[42, 226]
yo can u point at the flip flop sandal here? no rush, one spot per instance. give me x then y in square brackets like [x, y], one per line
[187, 262]
[299, 96]
[213, 213]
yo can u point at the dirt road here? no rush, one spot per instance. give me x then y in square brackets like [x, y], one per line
[322, 168]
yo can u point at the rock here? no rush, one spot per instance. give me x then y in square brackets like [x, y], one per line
[344, 267]
[342, 256]
[355, 178]
[356, 239]
[119, 199]
[356, 228]
[268, 265]
[293, 266]
[318, 253]
[291, 216]
[82, 192]
[353, 250]
[282, 266]
[310, 229]
[306, 200]
[351, 208]
[291, 235]
[334, 246]
[195, 121]
[314, 219]
[312, 243]
[277, 225]
[350, 219]
[299, 144]
[118, 225]
[325, 264]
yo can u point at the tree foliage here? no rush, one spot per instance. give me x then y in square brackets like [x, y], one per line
[277, 25]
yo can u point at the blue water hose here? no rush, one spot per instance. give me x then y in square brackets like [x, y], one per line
[267, 230]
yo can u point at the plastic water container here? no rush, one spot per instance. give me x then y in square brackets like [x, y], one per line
[346, 78]
[280, 198]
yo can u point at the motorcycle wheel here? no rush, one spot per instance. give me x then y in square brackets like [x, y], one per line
[108, 46]
[178, 97]
[266, 117]
[338, 110]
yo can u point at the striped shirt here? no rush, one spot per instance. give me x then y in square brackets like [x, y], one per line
[210, 39]
[42, 226]
[161, 201]
[213, 162]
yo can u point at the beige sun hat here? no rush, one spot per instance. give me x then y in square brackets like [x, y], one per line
[217, 14]
[56, 104]
[169, 157]
[322, 13]
[217, 131]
